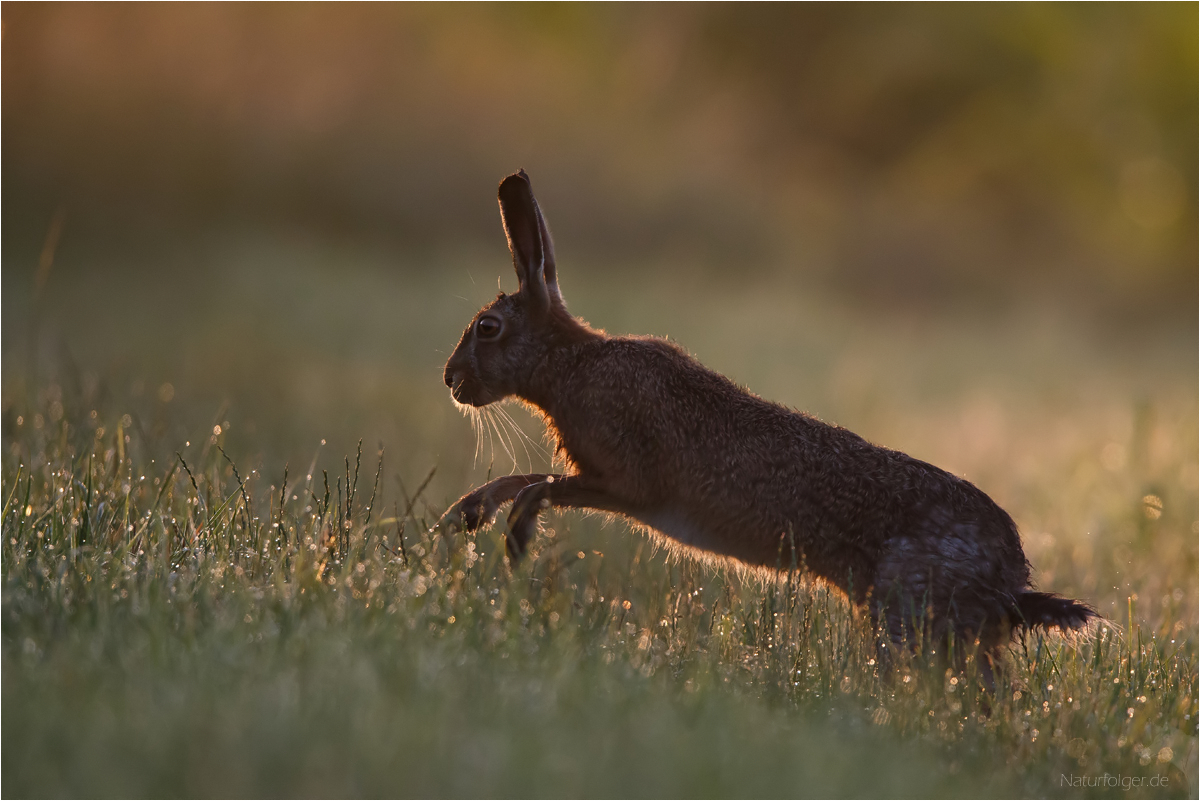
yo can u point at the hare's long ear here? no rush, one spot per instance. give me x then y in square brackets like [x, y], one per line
[550, 271]
[529, 240]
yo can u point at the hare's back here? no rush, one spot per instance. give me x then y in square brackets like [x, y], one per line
[695, 449]
[648, 406]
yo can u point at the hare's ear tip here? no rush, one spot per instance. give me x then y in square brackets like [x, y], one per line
[517, 177]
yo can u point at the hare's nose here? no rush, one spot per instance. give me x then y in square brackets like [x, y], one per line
[448, 377]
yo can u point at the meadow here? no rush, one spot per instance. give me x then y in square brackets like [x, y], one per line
[223, 571]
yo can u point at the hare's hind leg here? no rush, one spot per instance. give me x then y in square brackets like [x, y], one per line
[570, 491]
[478, 507]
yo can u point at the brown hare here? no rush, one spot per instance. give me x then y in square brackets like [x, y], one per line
[647, 432]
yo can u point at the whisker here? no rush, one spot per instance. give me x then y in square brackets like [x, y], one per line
[505, 424]
[477, 427]
[537, 446]
[507, 446]
[523, 438]
[541, 446]
[486, 414]
[502, 428]
[491, 440]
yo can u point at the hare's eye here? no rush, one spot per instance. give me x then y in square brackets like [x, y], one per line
[488, 327]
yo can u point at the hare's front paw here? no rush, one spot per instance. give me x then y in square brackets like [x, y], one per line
[473, 510]
[523, 518]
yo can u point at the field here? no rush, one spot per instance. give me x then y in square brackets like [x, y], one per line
[210, 588]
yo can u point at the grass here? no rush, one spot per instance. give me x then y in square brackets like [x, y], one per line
[193, 608]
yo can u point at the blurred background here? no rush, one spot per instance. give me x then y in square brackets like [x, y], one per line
[969, 232]
[905, 154]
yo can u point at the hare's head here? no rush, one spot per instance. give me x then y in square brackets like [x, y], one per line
[510, 337]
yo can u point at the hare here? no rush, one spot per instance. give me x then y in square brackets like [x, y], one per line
[647, 432]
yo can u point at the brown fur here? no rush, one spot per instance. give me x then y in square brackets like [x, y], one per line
[648, 432]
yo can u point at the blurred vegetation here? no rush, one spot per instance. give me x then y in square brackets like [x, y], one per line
[906, 154]
[179, 627]
[165, 637]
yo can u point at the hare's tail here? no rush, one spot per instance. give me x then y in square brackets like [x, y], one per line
[1049, 611]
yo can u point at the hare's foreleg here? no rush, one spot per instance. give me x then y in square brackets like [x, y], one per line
[569, 491]
[478, 507]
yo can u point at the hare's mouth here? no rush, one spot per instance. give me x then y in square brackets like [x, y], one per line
[461, 395]
[456, 391]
